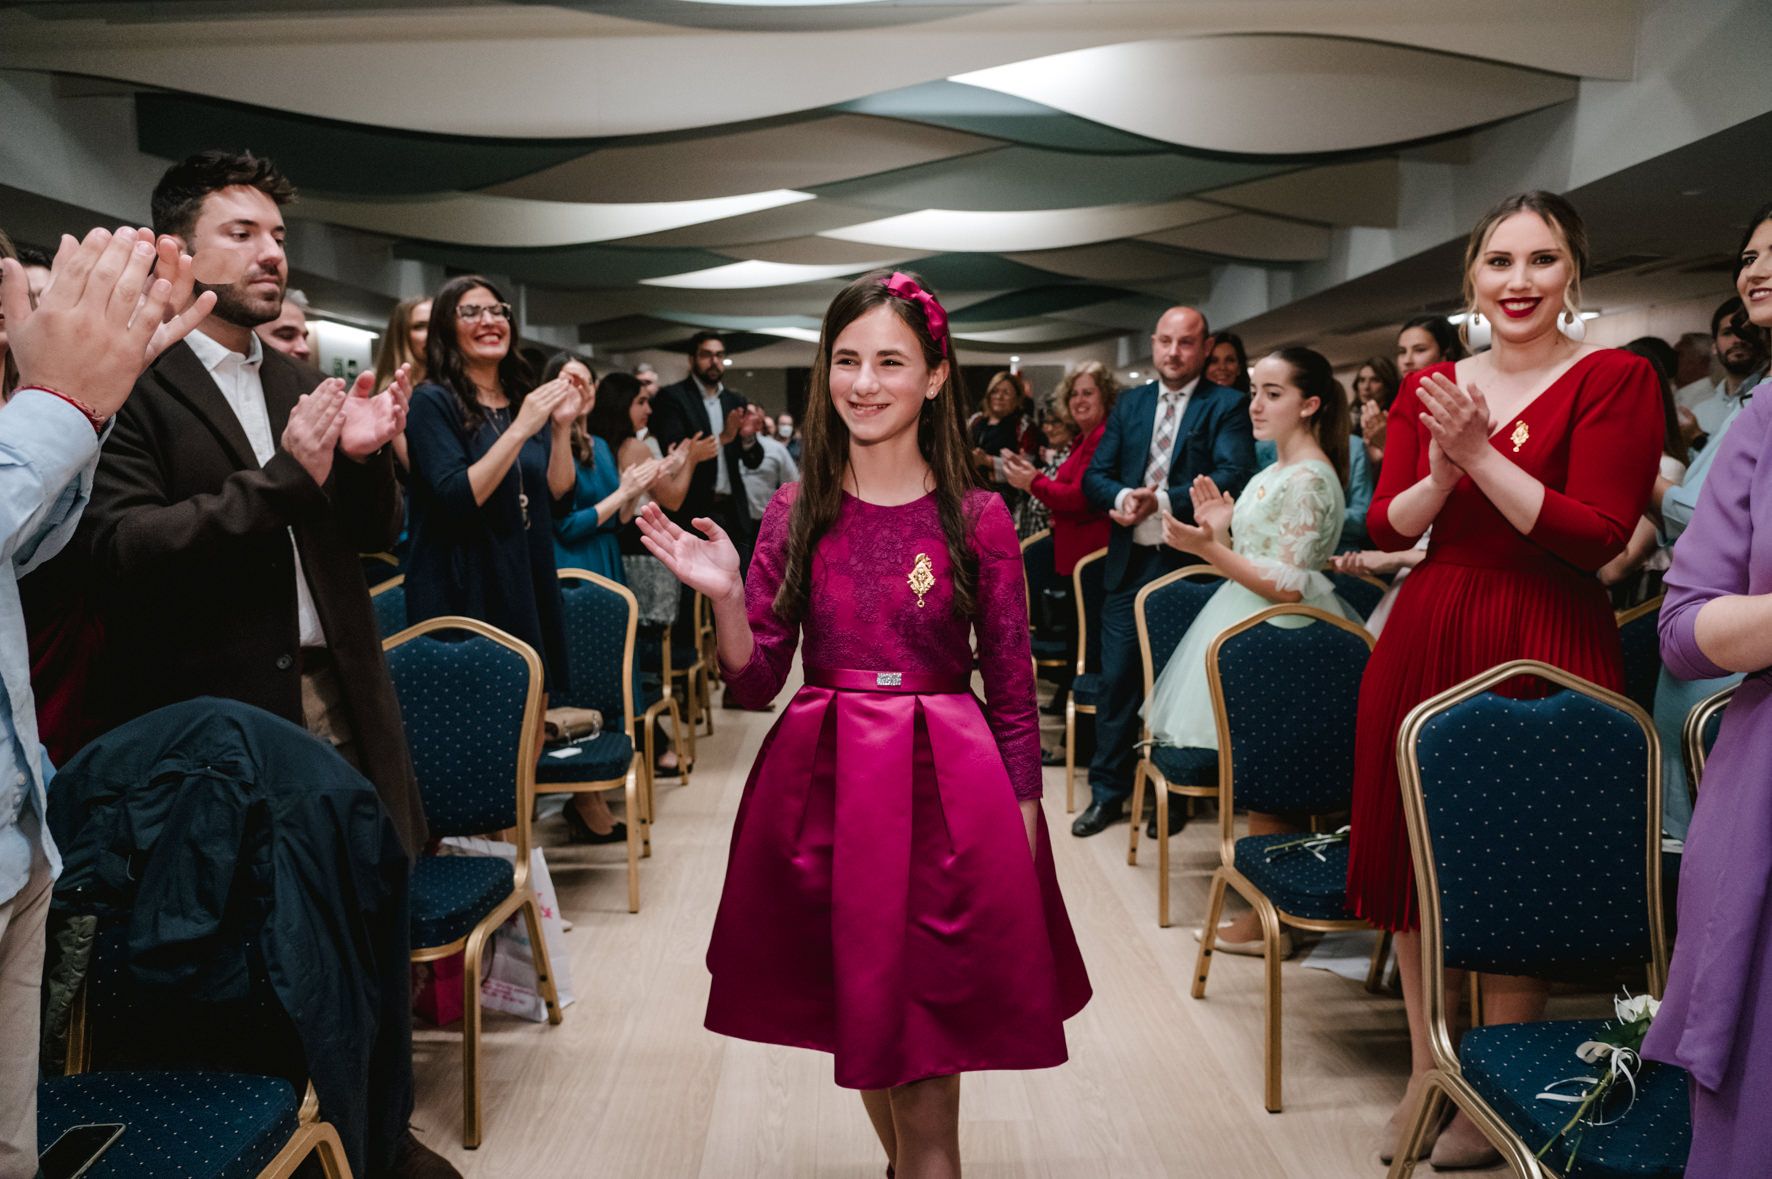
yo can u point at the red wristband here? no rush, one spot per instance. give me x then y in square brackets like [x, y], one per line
[91, 415]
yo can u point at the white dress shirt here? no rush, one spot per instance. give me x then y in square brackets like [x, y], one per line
[717, 423]
[238, 379]
[1149, 531]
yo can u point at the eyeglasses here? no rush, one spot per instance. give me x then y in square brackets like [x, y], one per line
[474, 312]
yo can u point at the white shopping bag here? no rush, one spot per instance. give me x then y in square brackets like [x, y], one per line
[508, 978]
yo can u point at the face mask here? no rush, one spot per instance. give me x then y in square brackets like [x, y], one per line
[784, 432]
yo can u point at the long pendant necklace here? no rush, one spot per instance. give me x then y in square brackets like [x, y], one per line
[500, 418]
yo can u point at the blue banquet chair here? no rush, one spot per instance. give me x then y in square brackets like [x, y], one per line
[1535, 830]
[1639, 632]
[1699, 734]
[1089, 585]
[1285, 699]
[1362, 591]
[601, 617]
[1051, 651]
[388, 600]
[471, 701]
[1163, 612]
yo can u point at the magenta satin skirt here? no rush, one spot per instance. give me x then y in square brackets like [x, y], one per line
[881, 903]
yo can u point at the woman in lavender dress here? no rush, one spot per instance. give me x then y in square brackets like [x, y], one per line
[890, 895]
[1716, 1021]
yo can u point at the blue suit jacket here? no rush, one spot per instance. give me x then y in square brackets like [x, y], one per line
[1215, 439]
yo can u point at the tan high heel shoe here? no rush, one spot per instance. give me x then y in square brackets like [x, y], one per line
[1391, 1137]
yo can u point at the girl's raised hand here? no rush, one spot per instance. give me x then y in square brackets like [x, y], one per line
[1189, 538]
[1212, 507]
[707, 564]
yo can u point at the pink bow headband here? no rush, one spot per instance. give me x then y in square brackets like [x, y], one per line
[905, 287]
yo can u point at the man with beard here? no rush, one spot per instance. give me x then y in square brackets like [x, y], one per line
[701, 404]
[1741, 351]
[228, 510]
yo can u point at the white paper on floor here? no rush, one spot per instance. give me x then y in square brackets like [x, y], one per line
[1348, 954]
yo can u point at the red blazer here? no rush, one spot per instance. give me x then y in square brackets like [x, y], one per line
[1077, 528]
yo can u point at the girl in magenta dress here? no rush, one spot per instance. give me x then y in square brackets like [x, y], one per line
[890, 895]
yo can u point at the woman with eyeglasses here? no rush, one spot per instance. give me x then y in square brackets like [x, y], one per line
[491, 470]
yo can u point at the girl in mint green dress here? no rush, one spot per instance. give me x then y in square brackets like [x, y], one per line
[1272, 544]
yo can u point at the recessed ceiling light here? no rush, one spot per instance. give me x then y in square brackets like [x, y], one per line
[1133, 374]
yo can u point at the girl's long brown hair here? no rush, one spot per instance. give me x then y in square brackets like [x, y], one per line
[396, 345]
[824, 457]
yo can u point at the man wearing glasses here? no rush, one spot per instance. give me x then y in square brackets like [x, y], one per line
[701, 404]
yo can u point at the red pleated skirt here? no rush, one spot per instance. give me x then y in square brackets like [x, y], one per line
[881, 903]
[1452, 621]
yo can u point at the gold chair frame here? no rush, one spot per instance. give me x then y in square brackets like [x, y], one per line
[707, 642]
[636, 783]
[1226, 874]
[1692, 735]
[388, 559]
[1630, 614]
[1071, 707]
[1445, 1081]
[1147, 769]
[312, 1135]
[1027, 594]
[522, 897]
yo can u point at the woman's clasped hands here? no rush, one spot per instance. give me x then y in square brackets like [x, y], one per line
[1458, 425]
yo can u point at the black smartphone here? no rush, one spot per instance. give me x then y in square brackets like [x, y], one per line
[73, 1154]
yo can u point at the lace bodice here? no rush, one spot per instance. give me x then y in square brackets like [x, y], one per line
[1288, 521]
[862, 612]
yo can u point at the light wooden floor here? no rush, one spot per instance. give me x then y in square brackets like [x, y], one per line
[631, 1086]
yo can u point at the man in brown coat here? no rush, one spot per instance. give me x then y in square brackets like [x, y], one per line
[232, 498]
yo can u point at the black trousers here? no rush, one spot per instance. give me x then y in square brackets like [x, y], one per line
[1122, 677]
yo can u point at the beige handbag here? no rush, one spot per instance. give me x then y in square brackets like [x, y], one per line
[570, 724]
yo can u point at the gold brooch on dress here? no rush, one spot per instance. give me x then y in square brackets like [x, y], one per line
[1519, 436]
[922, 579]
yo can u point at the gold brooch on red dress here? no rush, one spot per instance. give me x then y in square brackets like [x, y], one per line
[922, 579]
[1519, 436]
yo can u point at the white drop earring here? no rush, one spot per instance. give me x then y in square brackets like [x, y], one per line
[1572, 326]
[1477, 331]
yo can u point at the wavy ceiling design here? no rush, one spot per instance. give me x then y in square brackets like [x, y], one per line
[1058, 169]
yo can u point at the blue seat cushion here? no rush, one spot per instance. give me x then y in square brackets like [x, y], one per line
[199, 1124]
[1086, 689]
[1295, 880]
[1510, 1063]
[1186, 766]
[450, 894]
[1047, 648]
[600, 759]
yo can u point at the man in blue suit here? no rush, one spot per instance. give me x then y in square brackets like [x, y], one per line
[1158, 439]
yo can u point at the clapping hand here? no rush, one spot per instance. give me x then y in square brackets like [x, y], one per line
[1372, 422]
[637, 478]
[1212, 507]
[703, 447]
[734, 419]
[1140, 503]
[543, 403]
[370, 423]
[1212, 519]
[707, 564]
[311, 435]
[1017, 471]
[1456, 418]
[673, 461]
[102, 319]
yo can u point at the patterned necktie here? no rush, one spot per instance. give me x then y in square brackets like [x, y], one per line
[1156, 472]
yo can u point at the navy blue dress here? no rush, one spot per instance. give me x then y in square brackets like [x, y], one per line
[492, 561]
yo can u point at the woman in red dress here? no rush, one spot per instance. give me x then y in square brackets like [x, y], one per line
[1532, 463]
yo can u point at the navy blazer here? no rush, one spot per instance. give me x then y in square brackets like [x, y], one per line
[1215, 439]
[678, 413]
